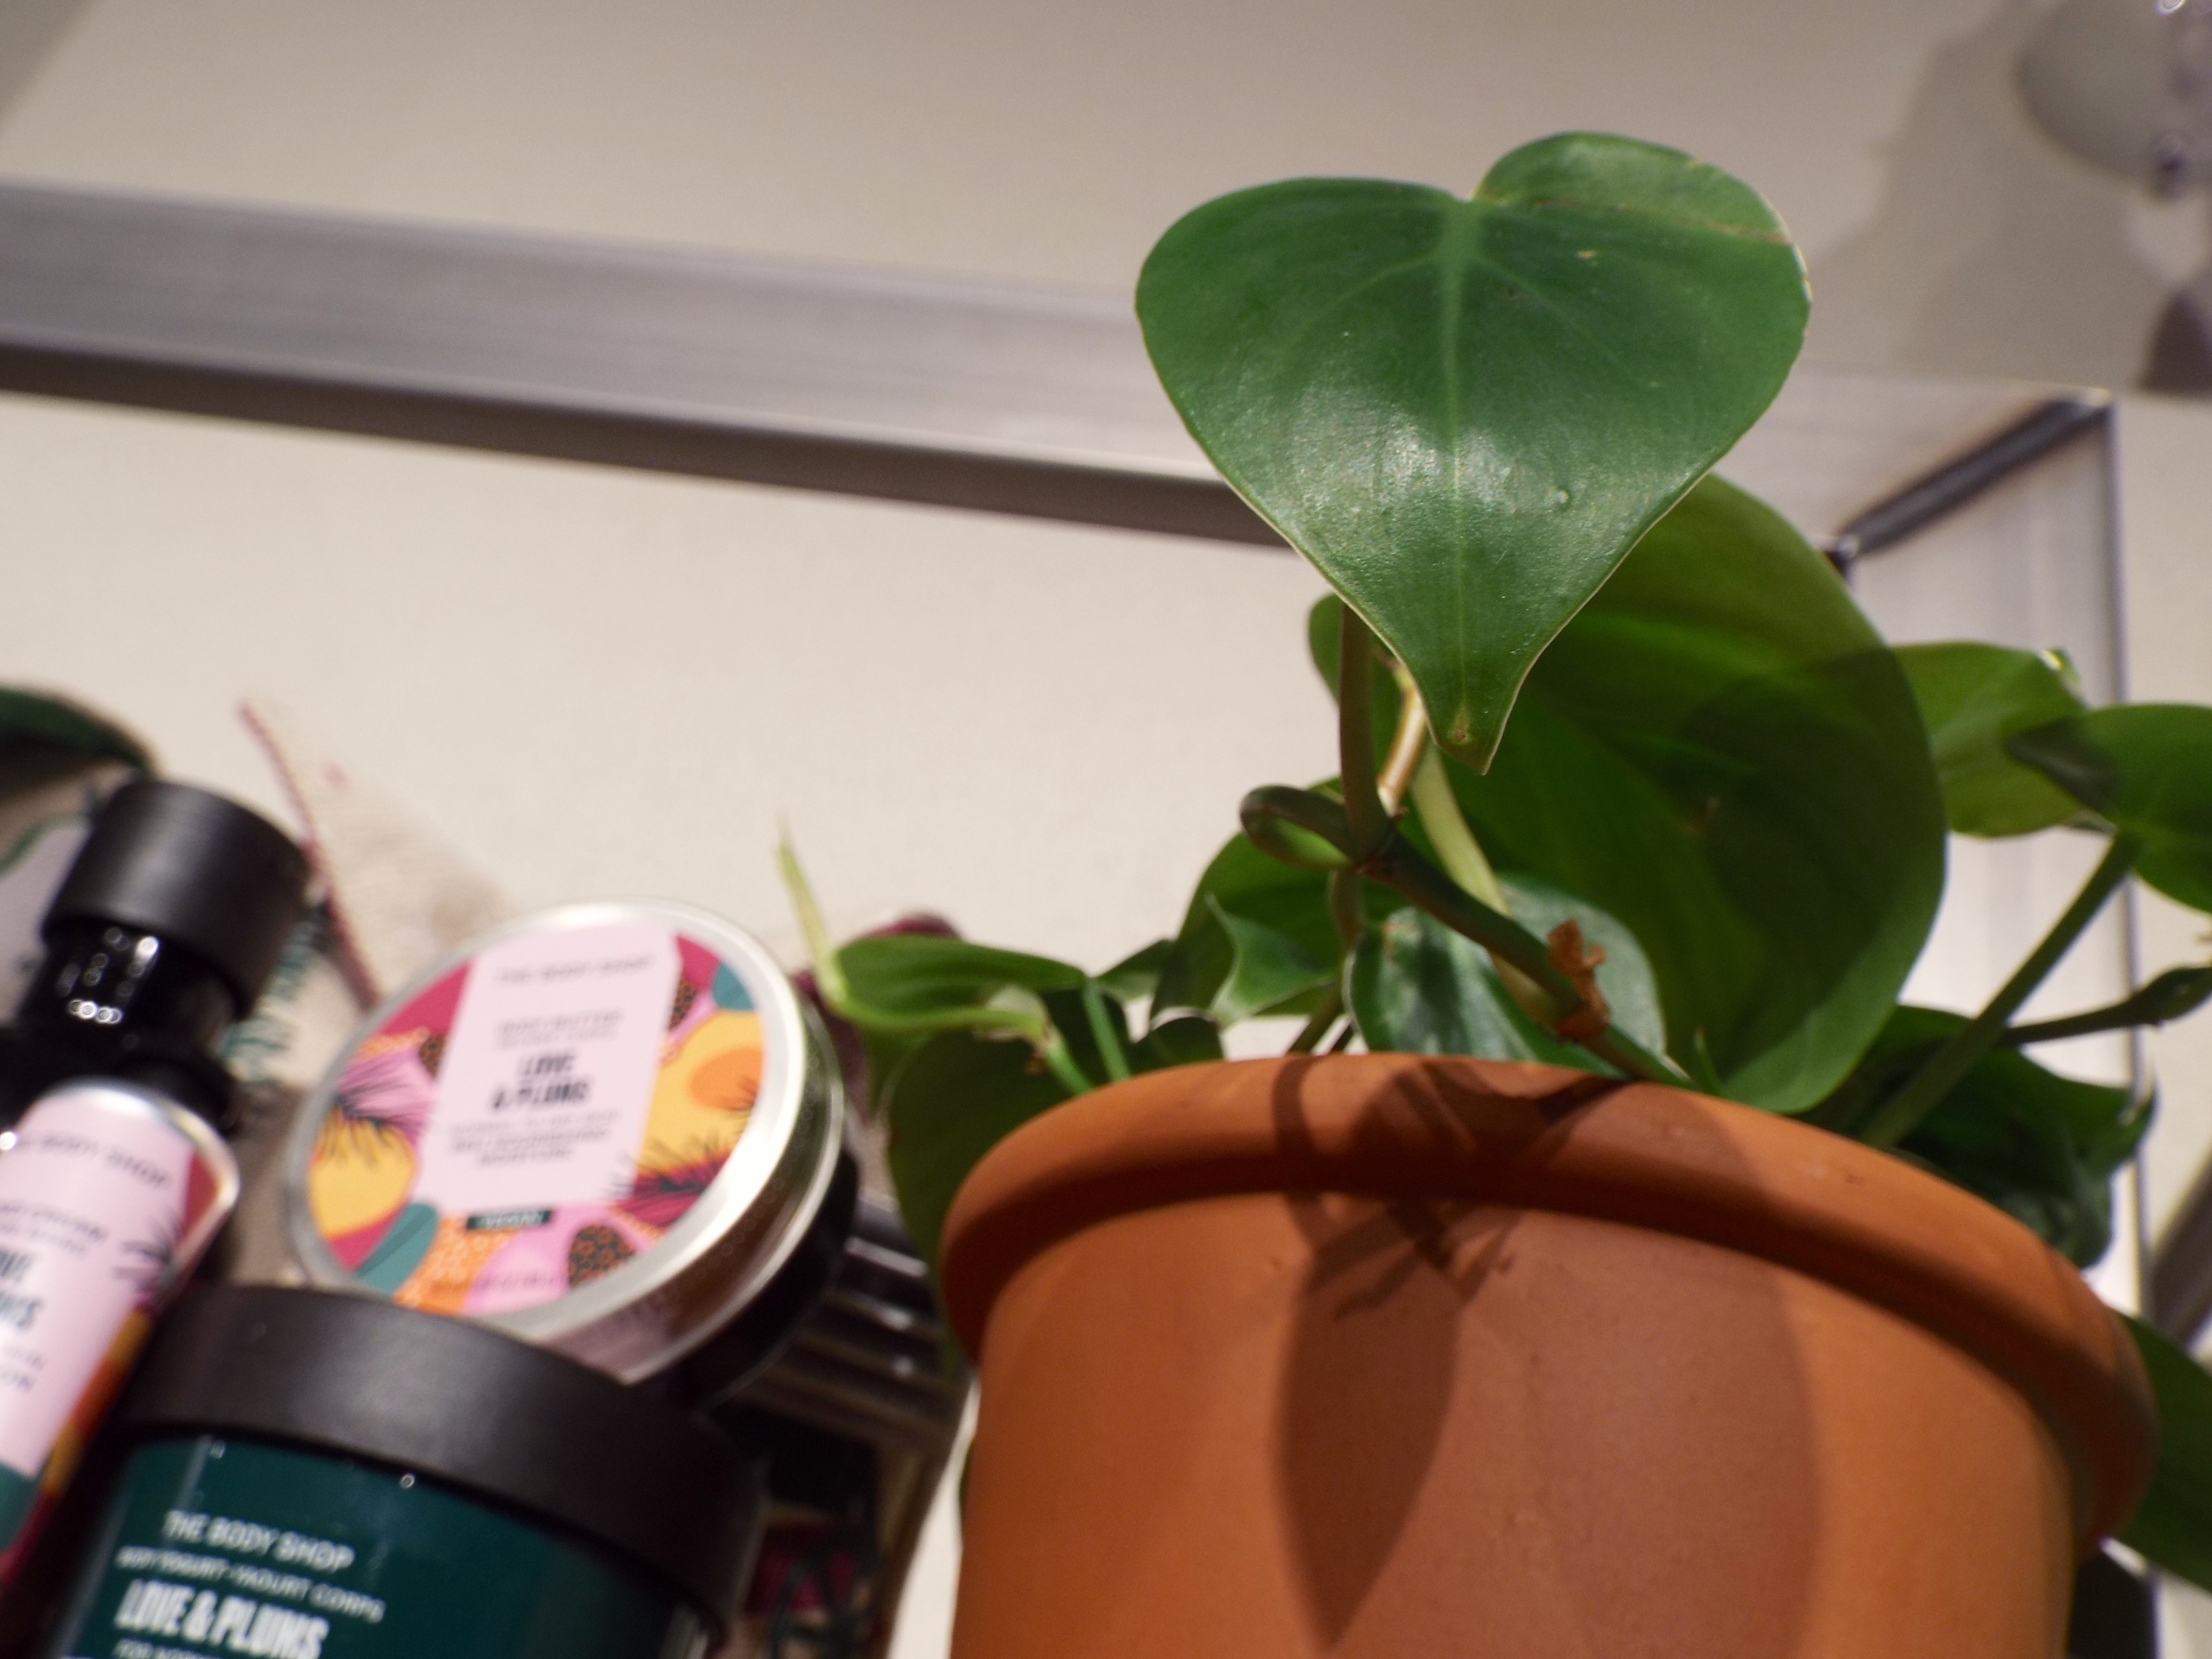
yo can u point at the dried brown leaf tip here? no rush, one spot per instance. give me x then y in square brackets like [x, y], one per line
[1579, 962]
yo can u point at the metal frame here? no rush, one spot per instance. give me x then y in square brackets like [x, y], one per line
[956, 394]
[1934, 495]
[1031, 401]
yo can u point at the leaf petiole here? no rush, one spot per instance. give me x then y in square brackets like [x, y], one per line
[1395, 865]
[993, 1018]
[822, 954]
[1324, 1018]
[1052, 1050]
[1405, 872]
[1457, 850]
[1101, 1019]
[2176, 991]
[1368, 819]
[1407, 744]
[1902, 1113]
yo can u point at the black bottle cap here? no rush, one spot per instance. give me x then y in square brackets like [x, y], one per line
[470, 1407]
[195, 871]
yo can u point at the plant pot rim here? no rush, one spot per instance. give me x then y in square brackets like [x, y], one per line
[1543, 1138]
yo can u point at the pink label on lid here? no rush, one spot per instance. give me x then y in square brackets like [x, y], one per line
[530, 1119]
[548, 1074]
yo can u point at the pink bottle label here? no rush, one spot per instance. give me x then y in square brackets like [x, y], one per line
[95, 1196]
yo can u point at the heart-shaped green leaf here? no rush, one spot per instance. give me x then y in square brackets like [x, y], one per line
[1242, 882]
[1288, 950]
[2147, 768]
[1465, 412]
[1267, 970]
[1137, 975]
[1720, 751]
[1973, 697]
[898, 988]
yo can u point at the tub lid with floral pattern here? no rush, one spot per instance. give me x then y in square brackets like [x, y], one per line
[602, 1128]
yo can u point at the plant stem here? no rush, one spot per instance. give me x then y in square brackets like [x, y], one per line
[1397, 866]
[1344, 908]
[1405, 872]
[2176, 991]
[1457, 850]
[1624, 1054]
[1310, 1034]
[1462, 858]
[1108, 1040]
[1271, 813]
[1407, 744]
[821, 953]
[1355, 735]
[1043, 1038]
[1902, 1113]
[1053, 1052]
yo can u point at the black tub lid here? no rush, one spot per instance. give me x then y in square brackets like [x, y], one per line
[470, 1406]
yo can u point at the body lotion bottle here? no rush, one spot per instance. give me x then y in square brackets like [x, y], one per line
[114, 1176]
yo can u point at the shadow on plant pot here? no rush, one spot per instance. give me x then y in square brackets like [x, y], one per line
[1596, 1429]
[1393, 1354]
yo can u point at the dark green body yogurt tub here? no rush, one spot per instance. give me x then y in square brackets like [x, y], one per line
[311, 1475]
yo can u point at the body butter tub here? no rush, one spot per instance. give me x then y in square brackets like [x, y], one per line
[613, 1130]
[303, 1475]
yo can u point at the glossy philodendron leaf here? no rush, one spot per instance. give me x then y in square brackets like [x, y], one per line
[1281, 913]
[920, 973]
[1182, 1040]
[2042, 1147]
[1720, 751]
[1466, 411]
[956, 1094]
[1419, 987]
[1137, 975]
[1268, 969]
[2172, 1529]
[29, 718]
[43, 739]
[1973, 697]
[1324, 638]
[897, 990]
[2147, 767]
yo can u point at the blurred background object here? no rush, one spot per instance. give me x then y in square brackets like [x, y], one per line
[2128, 85]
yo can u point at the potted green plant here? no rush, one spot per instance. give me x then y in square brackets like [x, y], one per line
[1613, 1264]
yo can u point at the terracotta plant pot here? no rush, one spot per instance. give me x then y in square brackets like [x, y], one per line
[1396, 1355]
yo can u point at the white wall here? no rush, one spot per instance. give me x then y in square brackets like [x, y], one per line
[1050, 141]
[1055, 141]
[595, 681]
